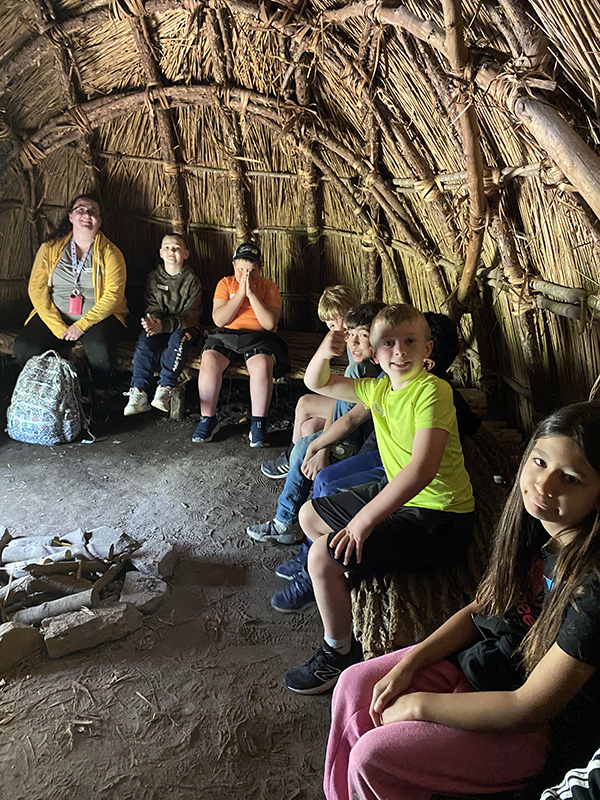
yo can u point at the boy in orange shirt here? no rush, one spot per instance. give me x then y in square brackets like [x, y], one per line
[246, 309]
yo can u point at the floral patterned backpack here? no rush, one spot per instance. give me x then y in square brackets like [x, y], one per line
[45, 407]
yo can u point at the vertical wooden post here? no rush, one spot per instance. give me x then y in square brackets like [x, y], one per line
[167, 139]
[219, 39]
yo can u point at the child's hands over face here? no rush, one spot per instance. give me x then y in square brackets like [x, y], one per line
[351, 538]
[251, 278]
[314, 463]
[151, 325]
[389, 689]
[333, 344]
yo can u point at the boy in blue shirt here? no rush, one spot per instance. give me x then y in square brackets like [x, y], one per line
[283, 528]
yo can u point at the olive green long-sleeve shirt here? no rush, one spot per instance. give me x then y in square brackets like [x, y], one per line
[174, 299]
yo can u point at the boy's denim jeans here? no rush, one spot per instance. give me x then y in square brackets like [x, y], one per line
[297, 487]
[165, 350]
[363, 468]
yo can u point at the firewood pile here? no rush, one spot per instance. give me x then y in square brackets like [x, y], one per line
[69, 593]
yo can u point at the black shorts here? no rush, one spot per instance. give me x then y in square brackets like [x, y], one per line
[410, 539]
[242, 345]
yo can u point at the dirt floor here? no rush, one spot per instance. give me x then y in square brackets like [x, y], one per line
[193, 704]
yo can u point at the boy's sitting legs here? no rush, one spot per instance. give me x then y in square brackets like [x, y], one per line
[410, 538]
[146, 357]
[310, 416]
[210, 379]
[260, 369]
[353, 471]
[284, 528]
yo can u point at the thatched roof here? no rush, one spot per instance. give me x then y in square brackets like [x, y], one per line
[436, 152]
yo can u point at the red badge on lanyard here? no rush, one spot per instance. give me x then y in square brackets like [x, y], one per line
[76, 298]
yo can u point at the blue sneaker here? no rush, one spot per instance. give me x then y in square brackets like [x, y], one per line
[321, 672]
[295, 597]
[295, 565]
[206, 429]
[258, 434]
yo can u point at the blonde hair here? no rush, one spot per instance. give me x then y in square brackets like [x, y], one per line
[336, 301]
[391, 316]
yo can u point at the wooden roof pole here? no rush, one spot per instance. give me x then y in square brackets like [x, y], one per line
[167, 140]
[308, 177]
[66, 72]
[456, 53]
[364, 222]
[405, 150]
[374, 183]
[218, 37]
[371, 275]
[33, 50]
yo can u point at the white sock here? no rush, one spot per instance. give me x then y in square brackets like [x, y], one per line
[281, 526]
[342, 646]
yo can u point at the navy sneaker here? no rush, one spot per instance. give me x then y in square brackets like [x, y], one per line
[258, 434]
[295, 565]
[321, 672]
[295, 597]
[277, 468]
[206, 429]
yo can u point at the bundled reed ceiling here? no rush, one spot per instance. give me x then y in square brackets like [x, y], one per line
[435, 151]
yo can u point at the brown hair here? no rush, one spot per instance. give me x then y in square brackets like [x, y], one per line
[519, 537]
[65, 226]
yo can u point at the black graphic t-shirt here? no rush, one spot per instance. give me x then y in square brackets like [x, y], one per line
[491, 665]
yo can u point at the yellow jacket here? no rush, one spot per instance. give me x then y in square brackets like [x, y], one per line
[109, 277]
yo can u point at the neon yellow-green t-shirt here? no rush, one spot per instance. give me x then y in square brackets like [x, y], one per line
[426, 402]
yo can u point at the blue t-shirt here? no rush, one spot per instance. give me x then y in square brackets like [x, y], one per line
[356, 369]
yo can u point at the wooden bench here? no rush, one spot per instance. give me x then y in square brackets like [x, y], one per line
[301, 347]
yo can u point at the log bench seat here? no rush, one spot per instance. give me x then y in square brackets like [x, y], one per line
[301, 347]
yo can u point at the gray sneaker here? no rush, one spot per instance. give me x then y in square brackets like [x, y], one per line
[278, 467]
[274, 531]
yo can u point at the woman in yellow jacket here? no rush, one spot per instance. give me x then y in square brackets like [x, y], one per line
[77, 288]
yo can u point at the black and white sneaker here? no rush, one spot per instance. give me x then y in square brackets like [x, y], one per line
[274, 531]
[321, 672]
[278, 467]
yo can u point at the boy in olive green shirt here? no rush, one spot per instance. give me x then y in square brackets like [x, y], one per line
[173, 296]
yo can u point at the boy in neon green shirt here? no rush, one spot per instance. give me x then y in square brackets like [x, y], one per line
[419, 516]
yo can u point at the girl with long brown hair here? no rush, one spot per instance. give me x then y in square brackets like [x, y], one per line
[468, 709]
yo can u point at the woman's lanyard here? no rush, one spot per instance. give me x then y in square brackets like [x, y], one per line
[77, 265]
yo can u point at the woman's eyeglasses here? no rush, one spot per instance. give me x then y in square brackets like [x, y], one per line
[81, 210]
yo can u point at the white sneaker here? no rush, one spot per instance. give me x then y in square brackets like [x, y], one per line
[138, 402]
[162, 399]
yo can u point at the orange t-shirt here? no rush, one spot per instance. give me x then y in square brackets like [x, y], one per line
[245, 318]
